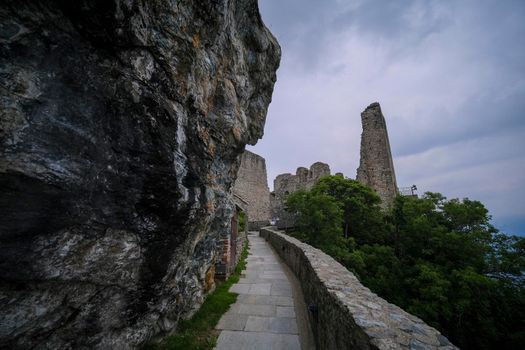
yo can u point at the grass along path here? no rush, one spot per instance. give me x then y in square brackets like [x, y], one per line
[198, 333]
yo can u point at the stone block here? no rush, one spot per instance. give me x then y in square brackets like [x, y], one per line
[271, 325]
[232, 321]
[257, 310]
[240, 288]
[230, 340]
[260, 288]
[285, 311]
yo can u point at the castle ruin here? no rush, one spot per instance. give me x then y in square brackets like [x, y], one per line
[285, 184]
[376, 168]
[252, 187]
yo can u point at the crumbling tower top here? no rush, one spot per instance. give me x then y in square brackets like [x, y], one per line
[376, 167]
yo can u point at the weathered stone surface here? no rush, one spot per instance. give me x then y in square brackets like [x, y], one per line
[252, 186]
[120, 129]
[285, 184]
[376, 167]
[266, 315]
[343, 313]
[229, 340]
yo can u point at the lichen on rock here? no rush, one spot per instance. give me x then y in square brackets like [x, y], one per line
[121, 126]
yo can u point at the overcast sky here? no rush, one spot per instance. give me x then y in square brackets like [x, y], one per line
[450, 78]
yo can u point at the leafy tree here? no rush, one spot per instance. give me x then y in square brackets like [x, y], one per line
[507, 257]
[319, 220]
[428, 290]
[439, 259]
[362, 218]
[380, 270]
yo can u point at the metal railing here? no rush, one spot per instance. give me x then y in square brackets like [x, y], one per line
[408, 191]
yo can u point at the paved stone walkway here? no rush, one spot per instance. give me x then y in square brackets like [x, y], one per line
[264, 316]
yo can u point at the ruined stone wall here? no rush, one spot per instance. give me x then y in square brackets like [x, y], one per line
[121, 123]
[252, 186]
[376, 167]
[228, 244]
[285, 184]
[343, 313]
[241, 241]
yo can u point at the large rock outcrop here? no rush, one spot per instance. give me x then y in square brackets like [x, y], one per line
[121, 127]
[376, 167]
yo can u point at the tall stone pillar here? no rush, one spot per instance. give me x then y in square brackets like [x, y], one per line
[376, 168]
[252, 186]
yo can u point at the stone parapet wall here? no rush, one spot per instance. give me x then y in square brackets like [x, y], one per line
[257, 225]
[343, 313]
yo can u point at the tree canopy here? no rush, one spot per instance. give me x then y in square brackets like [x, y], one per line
[437, 258]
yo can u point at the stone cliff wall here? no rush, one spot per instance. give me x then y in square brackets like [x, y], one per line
[121, 123]
[252, 186]
[376, 167]
[285, 184]
[343, 313]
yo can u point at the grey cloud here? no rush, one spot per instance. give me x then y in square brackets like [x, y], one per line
[410, 21]
[450, 76]
[476, 118]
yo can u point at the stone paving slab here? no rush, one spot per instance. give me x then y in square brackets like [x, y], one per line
[257, 310]
[235, 340]
[282, 291]
[232, 322]
[240, 288]
[271, 324]
[254, 280]
[265, 300]
[260, 289]
[263, 317]
[285, 311]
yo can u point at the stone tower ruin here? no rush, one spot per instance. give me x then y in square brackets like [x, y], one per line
[376, 168]
[286, 184]
[252, 187]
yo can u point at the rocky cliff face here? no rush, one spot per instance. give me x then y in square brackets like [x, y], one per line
[120, 130]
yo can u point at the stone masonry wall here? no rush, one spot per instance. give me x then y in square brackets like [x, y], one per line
[241, 241]
[285, 184]
[343, 313]
[376, 168]
[252, 186]
[229, 252]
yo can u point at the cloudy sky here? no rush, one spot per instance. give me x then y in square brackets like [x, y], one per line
[450, 77]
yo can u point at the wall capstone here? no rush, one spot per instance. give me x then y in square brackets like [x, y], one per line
[343, 313]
